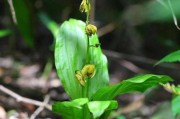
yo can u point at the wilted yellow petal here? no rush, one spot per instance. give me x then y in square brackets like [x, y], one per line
[89, 70]
[79, 76]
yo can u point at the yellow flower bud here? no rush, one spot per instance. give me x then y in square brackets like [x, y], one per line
[91, 29]
[88, 71]
[85, 6]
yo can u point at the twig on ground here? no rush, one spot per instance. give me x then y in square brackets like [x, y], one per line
[41, 108]
[10, 2]
[23, 99]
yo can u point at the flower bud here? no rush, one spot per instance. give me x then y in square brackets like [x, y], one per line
[85, 6]
[88, 71]
[91, 29]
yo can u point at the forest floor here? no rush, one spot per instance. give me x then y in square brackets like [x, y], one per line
[28, 89]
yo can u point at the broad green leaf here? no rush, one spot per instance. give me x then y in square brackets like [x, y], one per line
[176, 105]
[24, 21]
[97, 108]
[139, 83]
[172, 57]
[70, 56]
[70, 109]
[4, 32]
[81, 108]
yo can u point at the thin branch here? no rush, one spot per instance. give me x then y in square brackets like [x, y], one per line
[41, 108]
[117, 55]
[132, 67]
[145, 60]
[23, 99]
[92, 12]
[12, 11]
[106, 29]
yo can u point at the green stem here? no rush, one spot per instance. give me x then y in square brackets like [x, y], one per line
[87, 54]
[87, 22]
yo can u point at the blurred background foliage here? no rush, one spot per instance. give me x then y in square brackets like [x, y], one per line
[145, 26]
[130, 31]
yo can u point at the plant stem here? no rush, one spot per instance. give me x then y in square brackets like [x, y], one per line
[87, 54]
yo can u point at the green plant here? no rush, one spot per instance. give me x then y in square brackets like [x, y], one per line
[82, 68]
[173, 57]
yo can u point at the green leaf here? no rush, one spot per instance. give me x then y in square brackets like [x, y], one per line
[49, 23]
[176, 105]
[81, 108]
[24, 21]
[177, 88]
[70, 56]
[172, 57]
[101, 78]
[4, 32]
[70, 109]
[121, 117]
[97, 108]
[139, 83]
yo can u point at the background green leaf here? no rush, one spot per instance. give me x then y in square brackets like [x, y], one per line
[71, 109]
[139, 83]
[97, 108]
[70, 55]
[4, 32]
[49, 23]
[158, 12]
[24, 21]
[121, 117]
[172, 57]
[176, 105]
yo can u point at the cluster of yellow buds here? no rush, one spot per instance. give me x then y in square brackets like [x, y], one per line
[88, 71]
[85, 7]
[171, 88]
